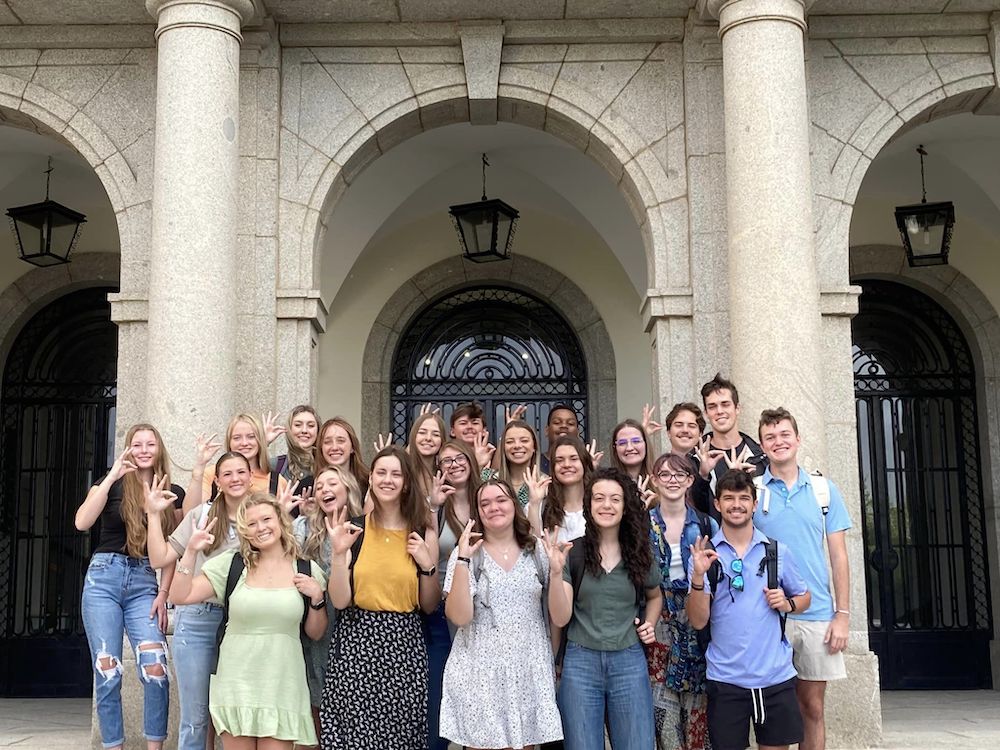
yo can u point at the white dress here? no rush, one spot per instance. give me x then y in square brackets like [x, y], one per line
[499, 683]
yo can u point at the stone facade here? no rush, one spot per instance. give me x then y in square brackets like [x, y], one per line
[739, 157]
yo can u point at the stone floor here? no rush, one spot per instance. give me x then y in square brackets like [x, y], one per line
[911, 721]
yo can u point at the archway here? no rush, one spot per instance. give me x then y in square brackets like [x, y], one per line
[58, 407]
[925, 533]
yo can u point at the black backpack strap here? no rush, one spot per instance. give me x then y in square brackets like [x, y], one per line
[356, 549]
[770, 564]
[236, 567]
[304, 567]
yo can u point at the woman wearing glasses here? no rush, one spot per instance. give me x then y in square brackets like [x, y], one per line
[629, 450]
[676, 663]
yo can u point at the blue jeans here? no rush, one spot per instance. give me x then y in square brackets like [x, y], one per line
[195, 653]
[438, 640]
[118, 594]
[612, 683]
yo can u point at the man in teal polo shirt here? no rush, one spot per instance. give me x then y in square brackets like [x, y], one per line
[802, 510]
[750, 673]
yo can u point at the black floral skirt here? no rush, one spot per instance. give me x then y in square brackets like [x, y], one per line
[375, 694]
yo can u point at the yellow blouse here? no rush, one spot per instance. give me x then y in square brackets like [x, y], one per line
[385, 576]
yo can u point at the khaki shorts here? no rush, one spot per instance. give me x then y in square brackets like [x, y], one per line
[812, 660]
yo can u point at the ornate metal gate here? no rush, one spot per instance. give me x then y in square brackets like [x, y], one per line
[928, 577]
[58, 435]
[493, 344]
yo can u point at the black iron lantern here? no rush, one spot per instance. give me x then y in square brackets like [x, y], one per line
[485, 228]
[926, 227]
[46, 232]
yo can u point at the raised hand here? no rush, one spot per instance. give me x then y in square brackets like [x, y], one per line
[383, 441]
[518, 412]
[467, 545]
[645, 631]
[647, 493]
[272, 430]
[708, 457]
[739, 460]
[204, 448]
[483, 449]
[556, 551]
[538, 485]
[202, 537]
[702, 556]
[428, 408]
[595, 455]
[342, 532]
[648, 425]
[419, 550]
[288, 499]
[440, 490]
[308, 586]
[123, 465]
[156, 495]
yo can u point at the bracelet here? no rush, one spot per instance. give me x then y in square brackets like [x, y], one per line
[163, 590]
[465, 560]
[182, 569]
[697, 587]
[843, 612]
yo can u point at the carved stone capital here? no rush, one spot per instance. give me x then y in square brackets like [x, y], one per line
[227, 16]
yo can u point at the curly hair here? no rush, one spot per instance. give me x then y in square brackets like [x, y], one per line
[633, 532]
[522, 528]
[251, 554]
[554, 512]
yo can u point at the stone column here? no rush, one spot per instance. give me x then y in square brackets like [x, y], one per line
[194, 339]
[773, 289]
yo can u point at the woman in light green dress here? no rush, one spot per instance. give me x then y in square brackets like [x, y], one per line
[258, 698]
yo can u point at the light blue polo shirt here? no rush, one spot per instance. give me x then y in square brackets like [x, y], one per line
[747, 649]
[794, 517]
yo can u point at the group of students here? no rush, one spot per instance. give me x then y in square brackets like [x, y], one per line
[454, 591]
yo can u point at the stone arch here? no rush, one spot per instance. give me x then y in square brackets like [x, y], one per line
[980, 323]
[455, 273]
[29, 293]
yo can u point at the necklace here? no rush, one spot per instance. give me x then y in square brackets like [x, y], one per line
[505, 553]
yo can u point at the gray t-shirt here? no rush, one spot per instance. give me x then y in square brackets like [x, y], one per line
[182, 535]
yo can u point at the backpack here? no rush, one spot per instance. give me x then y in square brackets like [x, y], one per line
[821, 489]
[279, 466]
[576, 562]
[236, 568]
[714, 577]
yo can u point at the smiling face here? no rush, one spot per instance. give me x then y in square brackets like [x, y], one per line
[387, 479]
[263, 526]
[518, 446]
[671, 484]
[428, 438]
[455, 466]
[233, 478]
[145, 448]
[243, 440]
[567, 467]
[736, 507]
[329, 493]
[467, 429]
[780, 442]
[683, 432]
[721, 410]
[607, 503]
[336, 446]
[630, 446]
[303, 429]
[496, 509]
[562, 422]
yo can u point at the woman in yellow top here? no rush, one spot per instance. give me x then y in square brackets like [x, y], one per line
[382, 573]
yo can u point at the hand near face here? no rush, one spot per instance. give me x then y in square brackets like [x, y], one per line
[123, 465]
[647, 493]
[342, 532]
[484, 450]
[272, 430]
[648, 425]
[708, 457]
[440, 490]
[538, 485]
[428, 408]
[595, 455]
[518, 412]
[383, 441]
[288, 499]
[202, 538]
[418, 549]
[156, 495]
[739, 460]
[204, 448]
[470, 541]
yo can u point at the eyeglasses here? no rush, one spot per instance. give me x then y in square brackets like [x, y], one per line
[737, 580]
[624, 442]
[448, 462]
[672, 476]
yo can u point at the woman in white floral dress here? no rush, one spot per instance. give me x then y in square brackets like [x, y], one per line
[499, 683]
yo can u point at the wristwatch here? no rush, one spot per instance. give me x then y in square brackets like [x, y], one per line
[428, 573]
[322, 602]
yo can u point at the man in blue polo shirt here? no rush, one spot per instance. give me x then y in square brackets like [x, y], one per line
[801, 510]
[750, 672]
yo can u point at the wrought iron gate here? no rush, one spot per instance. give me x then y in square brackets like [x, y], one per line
[58, 437]
[929, 612]
[493, 344]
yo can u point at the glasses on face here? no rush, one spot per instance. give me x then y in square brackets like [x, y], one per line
[449, 461]
[737, 580]
[625, 442]
[672, 476]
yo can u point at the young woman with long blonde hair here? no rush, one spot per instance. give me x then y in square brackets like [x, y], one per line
[338, 445]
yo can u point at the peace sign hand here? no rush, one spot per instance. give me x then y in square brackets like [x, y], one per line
[156, 495]
[204, 449]
[123, 464]
[538, 485]
[556, 551]
[595, 455]
[648, 425]
[467, 545]
[518, 412]
[647, 493]
[202, 537]
[484, 449]
[440, 490]
[342, 532]
[272, 430]
[702, 556]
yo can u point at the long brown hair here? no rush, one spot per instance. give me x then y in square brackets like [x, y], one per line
[554, 511]
[471, 487]
[412, 506]
[425, 477]
[533, 460]
[316, 532]
[633, 533]
[522, 527]
[251, 555]
[300, 458]
[217, 505]
[355, 464]
[647, 461]
[133, 503]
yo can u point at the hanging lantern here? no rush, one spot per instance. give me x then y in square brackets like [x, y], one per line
[46, 232]
[485, 228]
[926, 228]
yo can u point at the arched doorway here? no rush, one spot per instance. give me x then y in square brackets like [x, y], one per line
[58, 406]
[492, 344]
[930, 618]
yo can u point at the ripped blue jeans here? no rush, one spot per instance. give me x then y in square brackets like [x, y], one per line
[118, 594]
